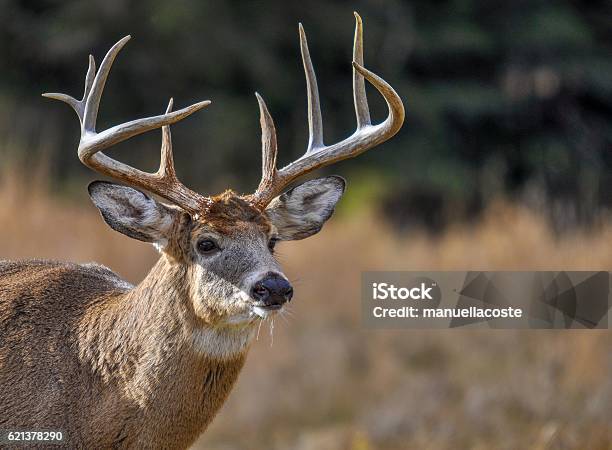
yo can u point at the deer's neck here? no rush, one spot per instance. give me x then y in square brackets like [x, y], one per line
[159, 358]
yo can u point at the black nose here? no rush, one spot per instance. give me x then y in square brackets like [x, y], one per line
[272, 290]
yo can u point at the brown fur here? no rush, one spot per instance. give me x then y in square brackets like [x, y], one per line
[115, 366]
[110, 366]
[228, 212]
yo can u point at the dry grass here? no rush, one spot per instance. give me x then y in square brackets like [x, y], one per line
[327, 383]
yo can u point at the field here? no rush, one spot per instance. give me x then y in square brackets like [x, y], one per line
[324, 382]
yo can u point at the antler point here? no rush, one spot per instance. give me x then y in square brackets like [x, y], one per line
[121, 43]
[170, 105]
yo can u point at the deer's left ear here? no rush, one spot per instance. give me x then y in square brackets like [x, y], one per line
[302, 211]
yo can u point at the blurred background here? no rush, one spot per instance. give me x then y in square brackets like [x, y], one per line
[504, 162]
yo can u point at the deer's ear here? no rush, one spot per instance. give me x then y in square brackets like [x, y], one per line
[302, 211]
[133, 213]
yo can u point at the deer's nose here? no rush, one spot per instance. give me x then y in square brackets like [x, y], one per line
[272, 290]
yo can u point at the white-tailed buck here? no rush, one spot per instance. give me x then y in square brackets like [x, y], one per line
[149, 366]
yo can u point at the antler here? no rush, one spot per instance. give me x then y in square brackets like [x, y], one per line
[366, 136]
[164, 182]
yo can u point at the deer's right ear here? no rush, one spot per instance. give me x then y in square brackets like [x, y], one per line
[133, 213]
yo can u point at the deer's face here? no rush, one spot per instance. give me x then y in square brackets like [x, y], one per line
[227, 250]
[234, 277]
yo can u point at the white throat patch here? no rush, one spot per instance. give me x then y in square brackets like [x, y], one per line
[223, 343]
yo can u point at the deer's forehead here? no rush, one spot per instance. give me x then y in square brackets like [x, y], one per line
[231, 215]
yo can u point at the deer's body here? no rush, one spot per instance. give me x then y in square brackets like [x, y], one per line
[149, 366]
[109, 364]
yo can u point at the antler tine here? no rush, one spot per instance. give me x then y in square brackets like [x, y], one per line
[269, 147]
[164, 182]
[166, 165]
[315, 122]
[97, 87]
[359, 93]
[78, 105]
[365, 136]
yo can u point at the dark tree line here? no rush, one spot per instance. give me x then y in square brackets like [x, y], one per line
[503, 98]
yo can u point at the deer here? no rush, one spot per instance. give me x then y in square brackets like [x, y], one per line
[116, 365]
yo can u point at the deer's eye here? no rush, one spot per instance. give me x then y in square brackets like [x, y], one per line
[207, 246]
[272, 244]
